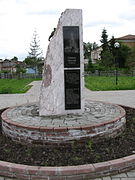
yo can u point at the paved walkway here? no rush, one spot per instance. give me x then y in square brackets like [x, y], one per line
[123, 176]
[117, 97]
[8, 100]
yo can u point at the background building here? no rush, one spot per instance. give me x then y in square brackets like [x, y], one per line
[9, 65]
[95, 54]
[128, 40]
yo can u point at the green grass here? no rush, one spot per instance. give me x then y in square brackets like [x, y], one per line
[94, 83]
[12, 86]
[99, 83]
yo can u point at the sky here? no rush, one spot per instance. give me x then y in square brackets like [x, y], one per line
[19, 19]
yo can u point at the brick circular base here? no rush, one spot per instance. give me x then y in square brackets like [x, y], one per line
[99, 120]
[82, 172]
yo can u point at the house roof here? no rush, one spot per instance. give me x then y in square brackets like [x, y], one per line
[127, 37]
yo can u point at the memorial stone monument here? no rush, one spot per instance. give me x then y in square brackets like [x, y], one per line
[62, 85]
[60, 116]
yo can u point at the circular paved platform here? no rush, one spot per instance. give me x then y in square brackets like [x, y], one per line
[23, 123]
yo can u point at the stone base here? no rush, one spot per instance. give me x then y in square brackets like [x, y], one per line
[23, 124]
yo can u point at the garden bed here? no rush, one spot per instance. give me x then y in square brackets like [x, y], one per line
[74, 154]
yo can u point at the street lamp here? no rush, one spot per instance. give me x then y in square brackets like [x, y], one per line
[116, 45]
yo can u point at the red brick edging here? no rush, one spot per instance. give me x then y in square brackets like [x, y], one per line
[67, 172]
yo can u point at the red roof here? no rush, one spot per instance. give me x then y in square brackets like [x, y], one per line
[127, 37]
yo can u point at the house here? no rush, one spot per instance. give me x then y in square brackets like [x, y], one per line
[36, 69]
[128, 40]
[1, 64]
[9, 65]
[95, 54]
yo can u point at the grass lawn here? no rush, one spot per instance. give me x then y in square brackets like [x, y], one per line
[99, 83]
[12, 86]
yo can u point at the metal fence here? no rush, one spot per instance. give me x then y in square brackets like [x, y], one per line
[110, 73]
[39, 75]
[19, 76]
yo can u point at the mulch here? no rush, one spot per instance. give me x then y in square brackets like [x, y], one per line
[75, 154]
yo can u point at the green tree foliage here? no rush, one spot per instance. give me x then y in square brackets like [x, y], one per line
[20, 69]
[34, 59]
[111, 46]
[110, 55]
[14, 58]
[124, 53]
[35, 50]
[104, 39]
[107, 58]
[130, 63]
[94, 45]
[88, 47]
[87, 50]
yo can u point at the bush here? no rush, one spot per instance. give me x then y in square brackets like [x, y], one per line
[5, 71]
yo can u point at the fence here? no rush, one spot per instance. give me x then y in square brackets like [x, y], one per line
[110, 73]
[96, 73]
[19, 76]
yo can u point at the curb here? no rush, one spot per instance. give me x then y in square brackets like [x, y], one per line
[80, 172]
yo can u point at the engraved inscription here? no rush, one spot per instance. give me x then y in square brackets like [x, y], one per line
[72, 89]
[71, 46]
[47, 75]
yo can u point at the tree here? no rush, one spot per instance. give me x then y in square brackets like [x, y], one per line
[94, 45]
[124, 54]
[87, 50]
[107, 59]
[14, 58]
[104, 39]
[35, 50]
[19, 69]
[109, 54]
[35, 54]
[111, 46]
[130, 63]
[87, 55]
[88, 47]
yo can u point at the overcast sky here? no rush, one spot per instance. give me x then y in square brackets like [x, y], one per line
[19, 18]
